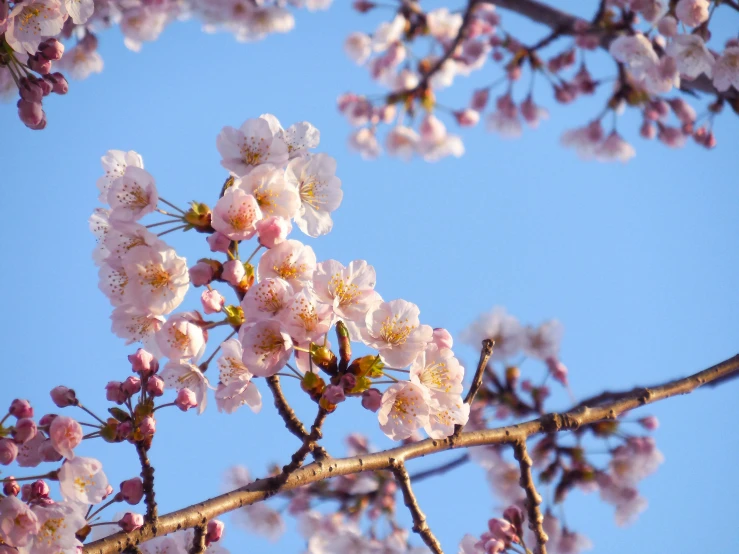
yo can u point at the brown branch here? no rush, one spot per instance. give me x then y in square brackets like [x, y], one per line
[293, 424]
[485, 353]
[198, 540]
[309, 445]
[533, 498]
[557, 19]
[147, 476]
[419, 518]
[260, 489]
[439, 470]
[733, 4]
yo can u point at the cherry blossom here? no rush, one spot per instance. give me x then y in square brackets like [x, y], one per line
[114, 164]
[445, 412]
[82, 480]
[691, 55]
[394, 329]
[306, 319]
[65, 434]
[319, 191]
[179, 375]
[405, 408]
[358, 47]
[692, 12]
[267, 299]
[435, 143]
[30, 22]
[254, 143]
[402, 141]
[80, 62]
[133, 195]
[438, 370]
[267, 348]
[236, 214]
[291, 260]
[500, 327]
[349, 290]
[157, 279]
[726, 70]
[18, 523]
[299, 137]
[273, 195]
[614, 147]
[181, 337]
[59, 523]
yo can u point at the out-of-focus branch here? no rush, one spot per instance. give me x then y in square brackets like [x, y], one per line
[147, 476]
[409, 499]
[439, 470]
[533, 498]
[198, 540]
[485, 353]
[260, 489]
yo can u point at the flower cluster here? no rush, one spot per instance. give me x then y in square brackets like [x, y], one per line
[418, 53]
[32, 31]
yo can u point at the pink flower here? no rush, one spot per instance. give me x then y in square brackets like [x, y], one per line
[291, 260]
[372, 399]
[532, 113]
[364, 141]
[505, 120]
[30, 22]
[212, 301]
[130, 522]
[233, 272]
[24, 430]
[691, 55]
[132, 490]
[133, 195]
[267, 299]
[394, 329]
[267, 348]
[155, 386]
[692, 12]
[65, 434]
[114, 392]
[236, 214]
[237, 393]
[181, 375]
[306, 319]
[671, 136]
[442, 338]
[8, 452]
[404, 409]
[20, 408]
[201, 273]
[131, 385]
[480, 99]
[63, 397]
[402, 141]
[148, 427]
[59, 521]
[254, 143]
[635, 51]
[357, 47]
[467, 117]
[273, 231]
[726, 70]
[273, 192]
[218, 242]
[82, 480]
[143, 362]
[585, 140]
[614, 148]
[18, 524]
[319, 191]
[185, 399]
[181, 337]
[667, 26]
[214, 531]
[438, 370]
[499, 326]
[435, 143]
[157, 279]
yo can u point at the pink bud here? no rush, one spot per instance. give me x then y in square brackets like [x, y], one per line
[130, 522]
[155, 386]
[124, 430]
[30, 113]
[65, 434]
[348, 382]
[89, 42]
[25, 430]
[442, 338]
[132, 490]
[51, 49]
[20, 408]
[8, 452]
[214, 531]
[501, 529]
[30, 90]
[647, 130]
[46, 420]
[131, 385]
[514, 73]
[148, 426]
[480, 99]
[39, 489]
[667, 26]
[650, 423]
[63, 397]
[201, 274]
[186, 399]
[114, 393]
[334, 394]
[526, 385]
[218, 242]
[273, 230]
[514, 515]
[143, 362]
[11, 487]
[39, 64]
[108, 491]
[363, 6]
[59, 84]
[671, 136]
[467, 117]
[212, 301]
[233, 272]
[46, 86]
[371, 399]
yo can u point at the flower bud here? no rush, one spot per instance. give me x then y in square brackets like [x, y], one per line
[480, 99]
[132, 490]
[11, 487]
[143, 362]
[201, 274]
[130, 522]
[25, 430]
[114, 393]
[20, 408]
[39, 489]
[51, 49]
[233, 272]
[30, 90]
[8, 452]
[348, 382]
[273, 230]
[185, 399]
[63, 397]
[131, 385]
[148, 426]
[334, 394]
[155, 386]
[212, 301]
[39, 64]
[59, 84]
[218, 242]
[651, 423]
[46, 420]
[372, 399]
[214, 531]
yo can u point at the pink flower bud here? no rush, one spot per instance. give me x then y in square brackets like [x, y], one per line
[30, 113]
[124, 430]
[212, 301]
[130, 522]
[30, 90]
[132, 490]
[558, 370]
[467, 117]
[650, 423]
[526, 385]
[273, 230]
[185, 400]
[25, 430]
[46, 420]
[480, 99]
[692, 12]
[214, 531]
[108, 491]
[46, 86]
[233, 272]
[39, 64]
[667, 26]
[442, 338]
[65, 434]
[155, 386]
[218, 242]
[114, 393]
[131, 385]
[63, 397]
[8, 452]
[671, 136]
[201, 274]
[371, 399]
[89, 42]
[59, 84]
[20, 408]
[334, 394]
[143, 362]
[348, 382]
[11, 487]
[39, 489]
[648, 130]
[363, 6]
[514, 515]
[51, 49]
[148, 426]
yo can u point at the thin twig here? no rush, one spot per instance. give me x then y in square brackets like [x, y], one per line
[426, 473]
[485, 353]
[419, 518]
[257, 491]
[147, 476]
[533, 498]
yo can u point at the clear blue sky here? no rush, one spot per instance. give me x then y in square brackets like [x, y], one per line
[638, 261]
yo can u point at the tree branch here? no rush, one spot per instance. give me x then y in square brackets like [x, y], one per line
[198, 540]
[147, 476]
[419, 518]
[439, 470]
[260, 489]
[485, 353]
[293, 424]
[533, 498]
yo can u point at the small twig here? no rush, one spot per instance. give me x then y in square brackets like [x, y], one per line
[426, 473]
[198, 540]
[147, 476]
[419, 519]
[485, 353]
[533, 498]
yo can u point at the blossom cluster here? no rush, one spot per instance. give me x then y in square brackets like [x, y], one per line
[658, 47]
[33, 34]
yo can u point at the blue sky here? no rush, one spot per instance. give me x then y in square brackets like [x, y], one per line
[638, 261]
